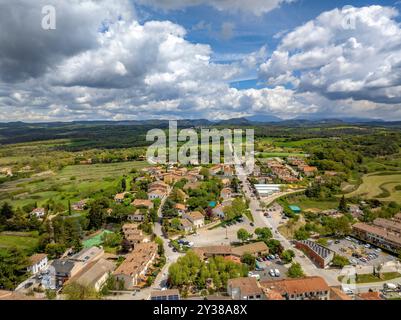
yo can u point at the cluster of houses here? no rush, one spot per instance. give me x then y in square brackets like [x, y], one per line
[92, 267]
[302, 166]
[165, 178]
[282, 171]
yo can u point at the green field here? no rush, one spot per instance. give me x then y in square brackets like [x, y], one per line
[26, 241]
[379, 185]
[73, 182]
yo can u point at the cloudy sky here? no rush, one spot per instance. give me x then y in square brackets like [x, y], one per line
[214, 59]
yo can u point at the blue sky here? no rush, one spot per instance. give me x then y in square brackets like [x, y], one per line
[249, 32]
[214, 59]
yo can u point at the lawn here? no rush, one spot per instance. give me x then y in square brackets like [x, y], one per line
[370, 278]
[379, 185]
[26, 241]
[311, 204]
[95, 240]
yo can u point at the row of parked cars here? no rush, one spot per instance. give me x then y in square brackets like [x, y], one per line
[268, 258]
[366, 258]
[233, 222]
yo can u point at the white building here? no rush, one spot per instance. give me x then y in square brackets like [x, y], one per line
[38, 212]
[267, 189]
[38, 262]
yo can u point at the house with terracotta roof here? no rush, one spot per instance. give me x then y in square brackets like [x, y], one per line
[226, 193]
[309, 170]
[142, 203]
[213, 251]
[186, 225]
[181, 208]
[158, 185]
[133, 234]
[157, 194]
[308, 288]
[119, 197]
[256, 248]
[369, 296]
[196, 218]
[244, 289]
[133, 271]
[338, 294]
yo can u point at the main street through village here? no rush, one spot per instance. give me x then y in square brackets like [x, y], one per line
[261, 221]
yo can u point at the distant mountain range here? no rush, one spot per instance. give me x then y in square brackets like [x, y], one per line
[244, 121]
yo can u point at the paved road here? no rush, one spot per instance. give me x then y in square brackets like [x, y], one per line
[171, 256]
[261, 221]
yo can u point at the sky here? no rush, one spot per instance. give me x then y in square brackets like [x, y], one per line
[192, 59]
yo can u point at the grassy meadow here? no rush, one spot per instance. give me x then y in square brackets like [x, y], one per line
[380, 185]
[72, 182]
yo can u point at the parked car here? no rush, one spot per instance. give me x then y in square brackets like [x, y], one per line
[272, 273]
[277, 272]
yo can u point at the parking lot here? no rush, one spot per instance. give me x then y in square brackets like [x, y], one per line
[360, 253]
[219, 235]
[267, 269]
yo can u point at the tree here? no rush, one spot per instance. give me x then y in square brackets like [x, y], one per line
[243, 235]
[75, 291]
[160, 246]
[237, 209]
[343, 205]
[141, 194]
[323, 242]
[263, 233]
[287, 256]
[175, 223]
[111, 240]
[13, 264]
[123, 185]
[274, 246]
[6, 212]
[205, 173]
[249, 259]
[96, 216]
[340, 261]
[302, 234]
[295, 271]
[55, 250]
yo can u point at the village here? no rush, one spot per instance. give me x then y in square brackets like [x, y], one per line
[213, 216]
